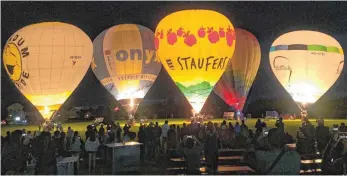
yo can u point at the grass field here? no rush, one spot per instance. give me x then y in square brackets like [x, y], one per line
[291, 126]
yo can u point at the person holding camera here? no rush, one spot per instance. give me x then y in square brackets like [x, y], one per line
[192, 150]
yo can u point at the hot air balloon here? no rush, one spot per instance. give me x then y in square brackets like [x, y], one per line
[126, 64]
[195, 47]
[46, 61]
[307, 64]
[234, 85]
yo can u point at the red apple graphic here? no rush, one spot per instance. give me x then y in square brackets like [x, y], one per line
[221, 33]
[201, 32]
[189, 39]
[171, 37]
[213, 36]
[180, 32]
[230, 36]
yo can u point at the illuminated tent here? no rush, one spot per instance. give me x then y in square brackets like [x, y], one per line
[46, 62]
[195, 47]
[306, 63]
[233, 87]
[125, 62]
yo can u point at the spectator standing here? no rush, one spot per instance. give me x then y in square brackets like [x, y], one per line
[343, 127]
[101, 131]
[165, 130]
[13, 157]
[69, 134]
[280, 124]
[142, 136]
[158, 132]
[172, 138]
[56, 143]
[92, 144]
[322, 136]
[77, 144]
[258, 126]
[211, 147]
[237, 129]
[89, 131]
[8, 137]
[192, 151]
[63, 143]
[244, 129]
[151, 140]
[47, 163]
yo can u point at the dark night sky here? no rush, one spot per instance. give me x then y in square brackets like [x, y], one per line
[266, 20]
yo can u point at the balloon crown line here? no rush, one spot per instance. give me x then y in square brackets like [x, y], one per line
[190, 39]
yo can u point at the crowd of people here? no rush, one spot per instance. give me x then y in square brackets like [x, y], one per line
[266, 151]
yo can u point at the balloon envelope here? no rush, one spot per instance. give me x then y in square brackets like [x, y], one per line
[233, 87]
[306, 63]
[195, 47]
[125, 63]
[46, 61]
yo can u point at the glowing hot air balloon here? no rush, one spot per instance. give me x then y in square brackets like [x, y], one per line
[195, 47]
[125, 62]
[306, 63]
[233, 87]
[46, 61]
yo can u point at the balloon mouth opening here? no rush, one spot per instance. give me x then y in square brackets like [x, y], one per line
[130, 105]
[197, 106]
[131, 93]
[48, 111]
[304, 93]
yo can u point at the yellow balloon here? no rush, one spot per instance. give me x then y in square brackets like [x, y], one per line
[46, 61]
[195, 46]
[306, 63]
[125, 62]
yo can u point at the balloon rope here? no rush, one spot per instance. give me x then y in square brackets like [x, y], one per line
[299, 106]
[52, 117]
[250, 97]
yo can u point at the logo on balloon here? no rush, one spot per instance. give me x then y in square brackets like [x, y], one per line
[189, 39]
[14, 52]
[281, 63]
[147, 56]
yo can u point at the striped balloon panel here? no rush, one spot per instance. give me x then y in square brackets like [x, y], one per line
[235, 83]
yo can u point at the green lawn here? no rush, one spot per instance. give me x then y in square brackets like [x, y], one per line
[291, 126]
